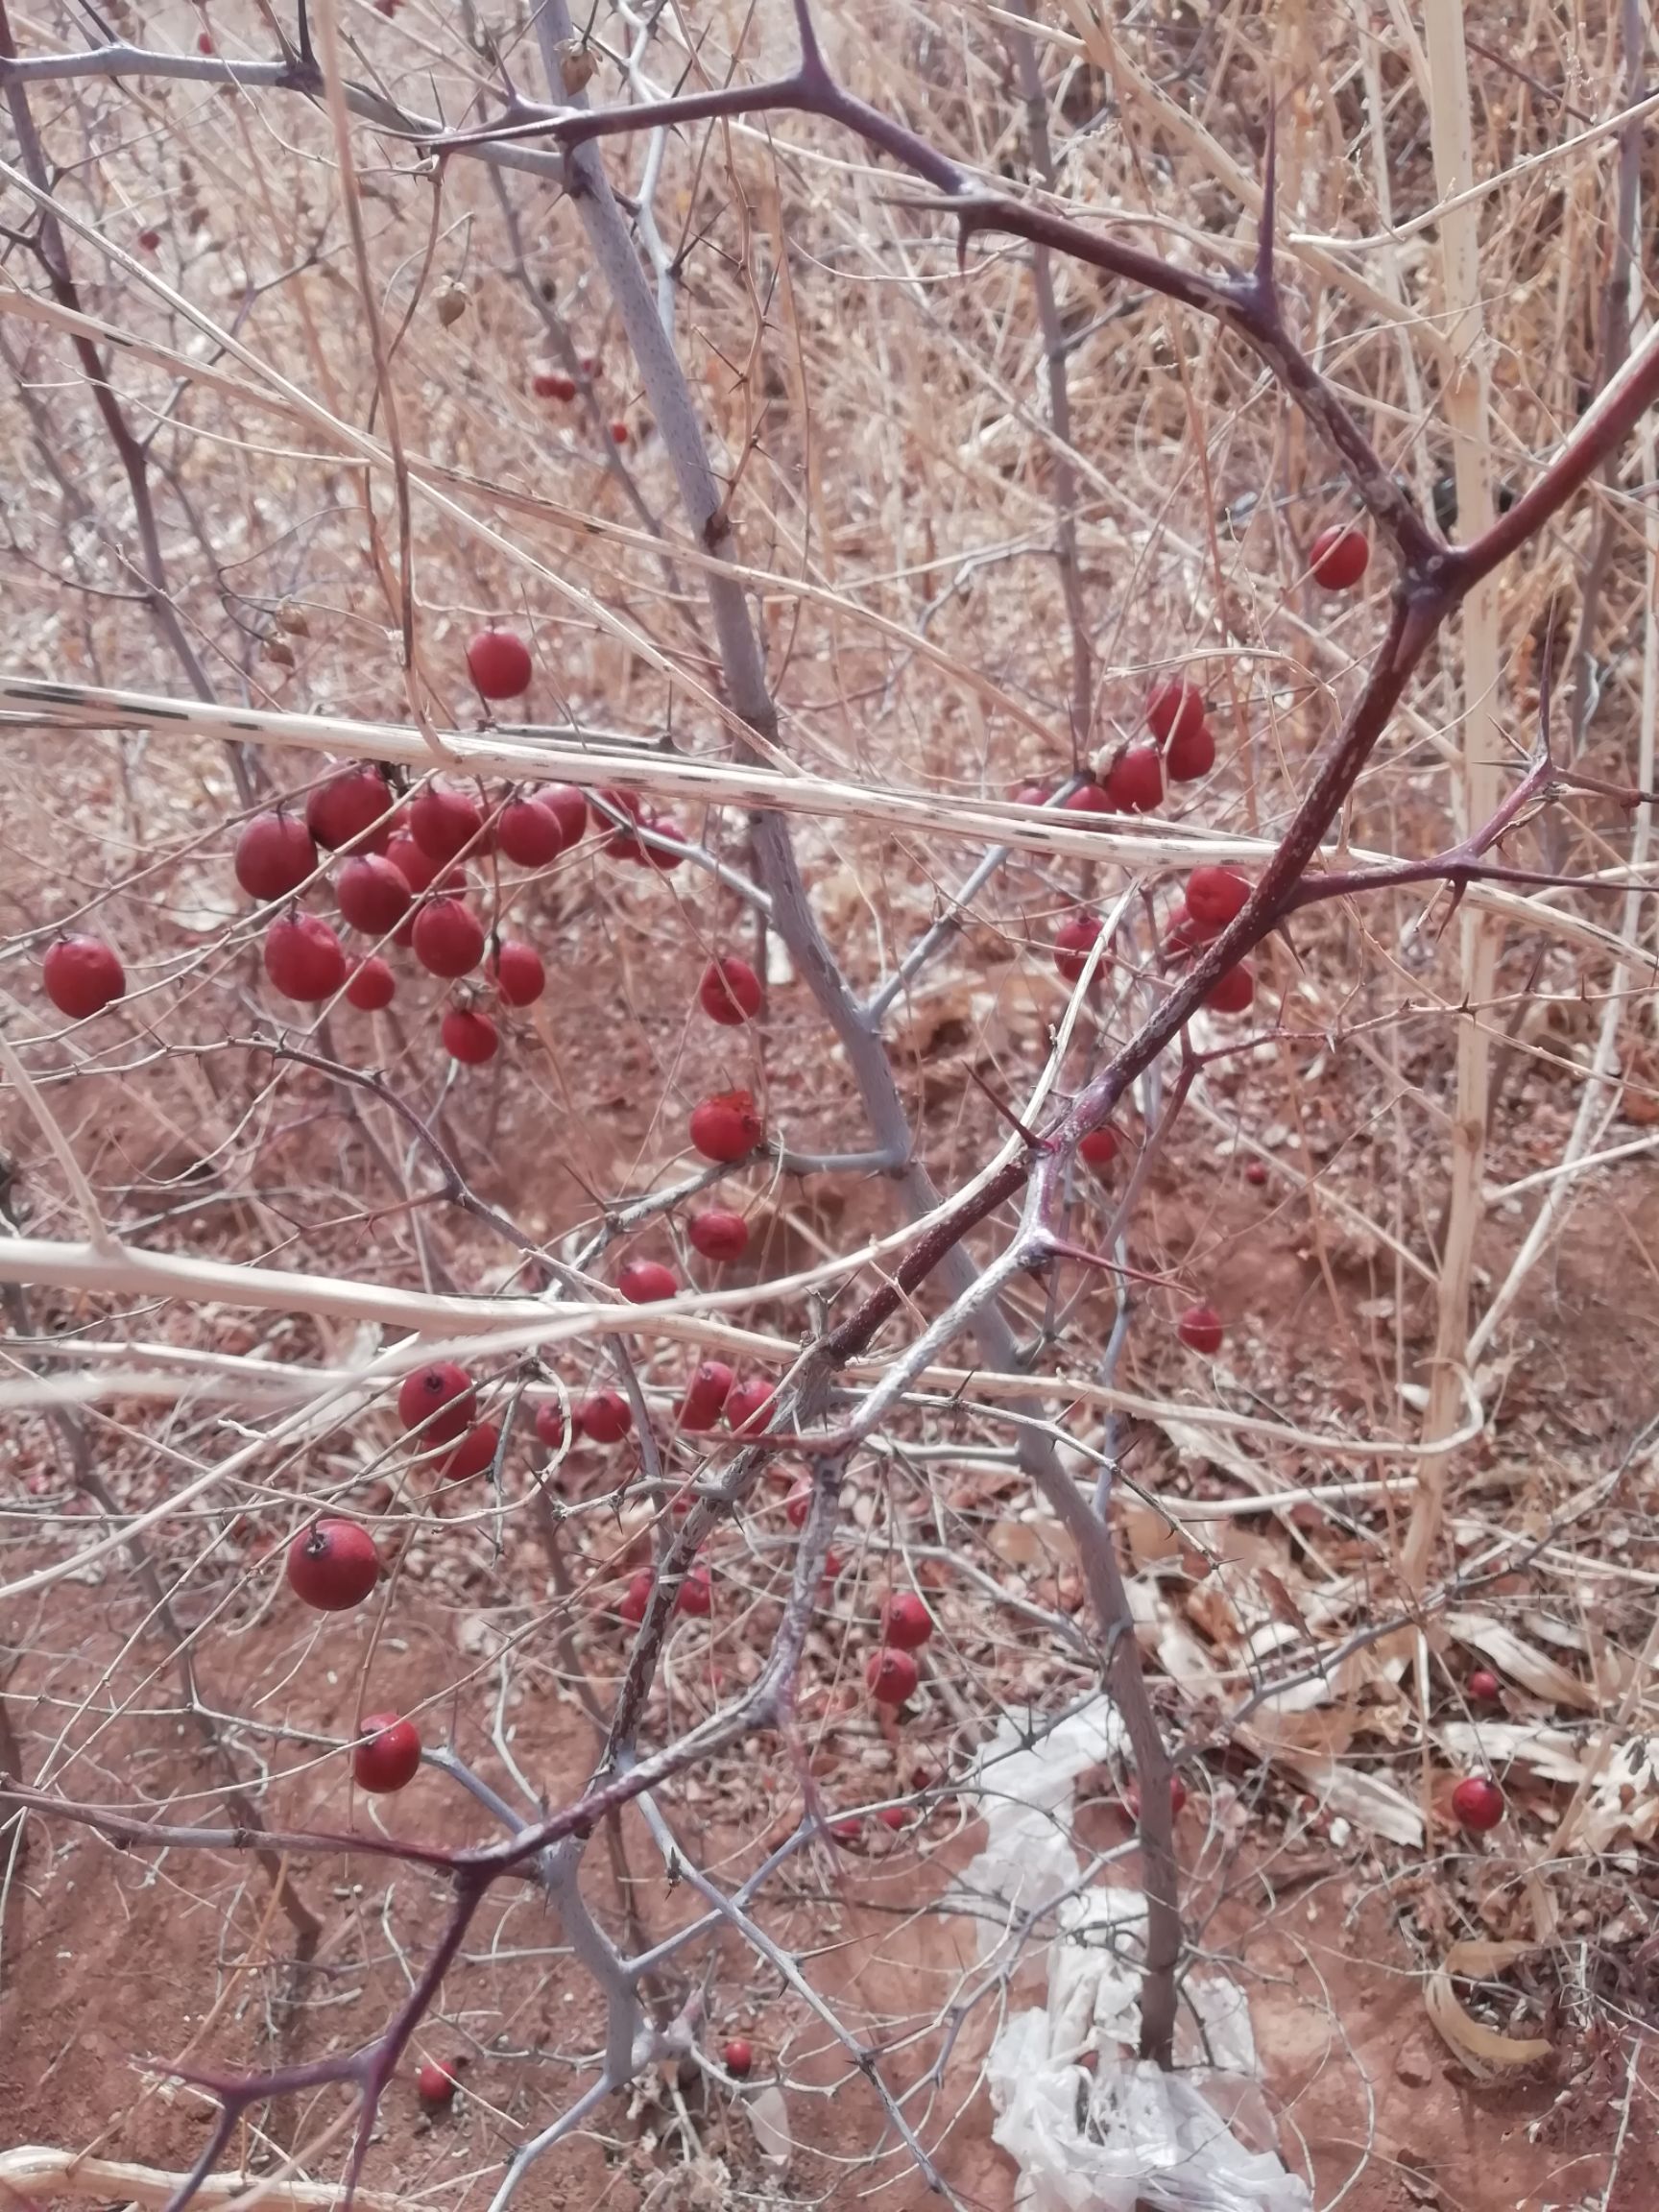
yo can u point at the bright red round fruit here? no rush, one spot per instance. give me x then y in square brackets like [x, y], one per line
[1339, 558]
[729, 992]
[448, 938]
[389, 1757]
[738, 2057]
[469, 1036]
[351, 809]
[1216, 897]
[274, 855]
[892, 1816]
[516, 972]
[718, 1234]
[529, 833]
[646, 1282]
[1174, 708]
[1136, 784]
[1180, 932]
[1088, 799]
[550, 1424]
[670, 854]
[609, 801]
[1232, 991]
[905, 1622]
[498, 662]
[727, 1127]
[799, 1502]
[373, 894]
[434, 2083]
[1477, 1802]
[303, 959]
[618, 433]
[418, 868]
[1255, 1171]
[605, 1418]
[1484, 1687]
[1177, 1798]
[1074, 942]
[637, 1598]
[1098, 1148]
[1190, 755]
[149, 240]
[332, 1565]
[551, 384]
[444, 822]
[81, 975]
[474, 1456]
[748, 1405]
[1200, 1329]
[437, 1400]
[707, 1389]
[696, 1594]
[891, 1677]
[371, 985]
[568, 808]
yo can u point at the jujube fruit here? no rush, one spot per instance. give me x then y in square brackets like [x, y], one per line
[389, 1757]
[373, 894]
[351, 809]
[1074, 942]
[418, 868]
[371, 985]
[448, 938]
[718, 1234]
[1232, 991]
[1340, 556]
[905, 1622]
[891, 1677]
[474, 1456]
[444, 822]
[1136, 784]
[303, 959]
[729, 992]
[1477, 1802]
[274, 855]
[1200, 1329]
[332, 1565]
[728, 1126]
[1174, 708]
[529, 833]
[469, 1036]
[706, 1392]
[646, 1282]
[81, 975]
[515, 970]
[605, 1418]
[439, 1400]
[738, 2057]
[498, 662]
[1216, 897]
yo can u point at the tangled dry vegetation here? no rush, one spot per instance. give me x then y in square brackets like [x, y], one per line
[312, 374]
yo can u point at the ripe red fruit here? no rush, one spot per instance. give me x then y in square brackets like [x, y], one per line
[718, 1234]
[332, 1565]
[664, 858]
[1088, 799]
[729, 992]
[738, 2057]
[1216, 897]
[1098, 1150]
[905, 1622]
[550, 1424]
[1255, 1170]
[149, 240]
[445, 821]
[892, 1816]
[434, 2083]
[1073, 941]
[203, 42]
[696, 1594]
[469, 1036]
[798, 1502]
[1200, 1329]
[646, 1282]
[551, 384]
[891, 1677]
[1484, 1687]
[448, 938]
[1340, 556]
[418, 868]
[529, 833]
[81, 975]
[845, 1831]
[605, 1418]
[568, 808]
[1136, 784]
[1182, 933]
[727, 1127]
[439, 1400]
[706, 1392]
[373, 894]
[498, 662]
[618, 433]
[351, 809]
[274, 855]
[1177, 1798]
[303, 959]
[637, 1598]
[1232, 990]
[1477, 1802]
[1190, 755]
[748, 1404]
[474, 1454]
[371, 985]
[605, 803]
[1174, 708]
[389, 1757]
[1032, 795]
[516, 972]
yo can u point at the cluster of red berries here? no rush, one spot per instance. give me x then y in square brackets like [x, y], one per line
[1214, 897]
[555, 384]
[891, 1674]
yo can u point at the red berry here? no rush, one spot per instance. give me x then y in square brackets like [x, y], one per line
[551, 384]
[905, 1622]
[727, 1127]
[81, 975]
[696, 1594]
[1484, 1687]
[550, 1424]
[891, 1677]
[618, 433]
[738, 2057]
[1477, 1802]
[892, 1815]
[646, 1282]
[371, 985]
[445, 821]
[706, 1392]
[637, 1598]
[516, 972]
[718, 1234]
[469, 1036]
[729, 992]
[332, 1565]
[303, 959]
[448, 938]
[568, 807]
[1074, 942]
[1098, 1150]
[1174, 708]
[529, 833]
[1216, 897]
[1190, 755]
[1232, 990]
[439, 1400]
[845, 1831]
[418, 868]
[351, 809]
[498, 662]
[373, 894]
[1200, 1329]
[605, 803]
[667, 856]
[799, 1502]
[1340, 556]
[149, 240]
[389, 1757]
[474, 1454]
[1255, 1170]
[434, 2083]
[1088, 799]
[1182, 933]
[1177, 1798]
[1136, 784]
[274, 855]
[203, 42]
[605, 1418]
[748, 1405]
